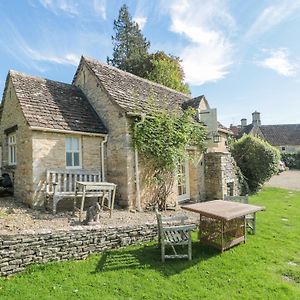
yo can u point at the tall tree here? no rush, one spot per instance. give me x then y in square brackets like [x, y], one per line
[166, 70]
[130, 47]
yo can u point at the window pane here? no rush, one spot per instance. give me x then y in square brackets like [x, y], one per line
[14, 154]
[68, 144]
[69, 159]
[76, 159]
[75, 144]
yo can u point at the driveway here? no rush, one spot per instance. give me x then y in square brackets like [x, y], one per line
[287, 180]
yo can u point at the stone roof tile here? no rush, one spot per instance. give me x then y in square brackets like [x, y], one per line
[51, 104]
[283, 134]
[133, 93]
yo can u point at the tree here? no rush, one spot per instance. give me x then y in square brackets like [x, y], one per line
[166, 70]
[130, 47]
[257, 160]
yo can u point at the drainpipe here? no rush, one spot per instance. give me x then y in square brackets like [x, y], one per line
[102, 158]
[137, 177]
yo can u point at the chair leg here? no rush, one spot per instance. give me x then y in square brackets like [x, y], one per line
[163, 252]
[190, 247]
[254, 223]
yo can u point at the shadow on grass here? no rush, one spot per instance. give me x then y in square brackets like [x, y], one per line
[149, 257]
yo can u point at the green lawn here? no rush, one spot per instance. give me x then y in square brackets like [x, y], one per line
[266, 267]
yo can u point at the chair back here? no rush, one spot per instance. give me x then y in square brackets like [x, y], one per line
[241, 199]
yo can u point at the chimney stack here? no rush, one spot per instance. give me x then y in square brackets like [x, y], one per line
[243, 122]
[256, 118]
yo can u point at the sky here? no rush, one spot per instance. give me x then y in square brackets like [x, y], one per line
[243, 55]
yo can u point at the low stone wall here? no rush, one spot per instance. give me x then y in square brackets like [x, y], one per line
[19, 251]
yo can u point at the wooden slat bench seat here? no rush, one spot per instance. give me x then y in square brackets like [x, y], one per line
[61, 183]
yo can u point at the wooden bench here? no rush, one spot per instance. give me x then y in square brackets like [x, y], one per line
[61, 183]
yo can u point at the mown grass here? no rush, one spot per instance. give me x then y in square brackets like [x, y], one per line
[266, 267]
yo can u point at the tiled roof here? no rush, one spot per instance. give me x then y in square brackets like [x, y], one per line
[221, 126]
[193, 103]
[132, 93]
[245, 130]
[55, 105]
[278, 135]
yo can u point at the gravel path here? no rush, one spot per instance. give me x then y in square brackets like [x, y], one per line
[16, 217]
[288, 180]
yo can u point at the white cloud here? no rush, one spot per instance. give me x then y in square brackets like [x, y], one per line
[31, 57]
[272, 16]
[100, 8]
[141, 21]
[208, 55]
[63, 59]
[66, 6]
[279, 62]
[76, 7]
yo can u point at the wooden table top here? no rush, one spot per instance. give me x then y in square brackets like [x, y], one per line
[223, 210]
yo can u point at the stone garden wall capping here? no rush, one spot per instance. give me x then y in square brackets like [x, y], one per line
[20, 250]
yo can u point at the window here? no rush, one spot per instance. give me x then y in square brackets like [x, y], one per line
[12, 143]
[230, 188]
[283, 148]
[73, 155]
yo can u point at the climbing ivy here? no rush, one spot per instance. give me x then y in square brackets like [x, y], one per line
[162, 139]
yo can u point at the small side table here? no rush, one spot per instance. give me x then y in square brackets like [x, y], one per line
[104, 190]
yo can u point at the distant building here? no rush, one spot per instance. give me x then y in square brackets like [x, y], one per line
[285, 137]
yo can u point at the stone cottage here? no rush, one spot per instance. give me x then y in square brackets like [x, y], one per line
[285, 137]
[86, 125]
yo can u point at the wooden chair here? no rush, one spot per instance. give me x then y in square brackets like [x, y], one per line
[173, 232]
[251, 218]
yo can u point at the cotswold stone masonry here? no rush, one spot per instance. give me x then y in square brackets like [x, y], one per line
[21, 250]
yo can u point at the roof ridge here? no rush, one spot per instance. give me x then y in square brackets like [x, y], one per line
[14, 72]
[86, 58]
[281, 124]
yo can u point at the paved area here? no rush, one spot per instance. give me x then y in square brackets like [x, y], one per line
[287, 180]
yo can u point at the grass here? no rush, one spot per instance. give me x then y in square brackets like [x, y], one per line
[266, 267]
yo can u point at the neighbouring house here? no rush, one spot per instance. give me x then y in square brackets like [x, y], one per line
[86, 125]
[285, 137]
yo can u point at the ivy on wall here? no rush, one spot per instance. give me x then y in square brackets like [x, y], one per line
[162, 139]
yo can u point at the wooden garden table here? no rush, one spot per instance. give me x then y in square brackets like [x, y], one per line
[222, 223]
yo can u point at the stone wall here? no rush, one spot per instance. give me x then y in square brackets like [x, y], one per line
[19, 251]
[49, 152]
[220, 175]
[21, 173]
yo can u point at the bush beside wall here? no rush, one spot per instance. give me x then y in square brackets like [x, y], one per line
[291, 160]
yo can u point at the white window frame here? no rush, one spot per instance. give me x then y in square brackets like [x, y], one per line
[184, 197]
[12, 149]
[73, 151]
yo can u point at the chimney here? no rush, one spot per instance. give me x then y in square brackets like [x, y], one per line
[256, 118]
[243, 122]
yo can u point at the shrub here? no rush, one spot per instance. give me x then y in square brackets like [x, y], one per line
[291, 160]
[257, 159]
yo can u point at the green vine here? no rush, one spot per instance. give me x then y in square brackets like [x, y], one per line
[162, 139]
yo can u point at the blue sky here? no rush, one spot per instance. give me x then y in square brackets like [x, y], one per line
[244, 55]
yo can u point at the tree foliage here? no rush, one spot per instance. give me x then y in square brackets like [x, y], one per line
[257, 159]
[130, 47]
[291, 160]
[166, 70]
[162, 140]
[130, 53]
